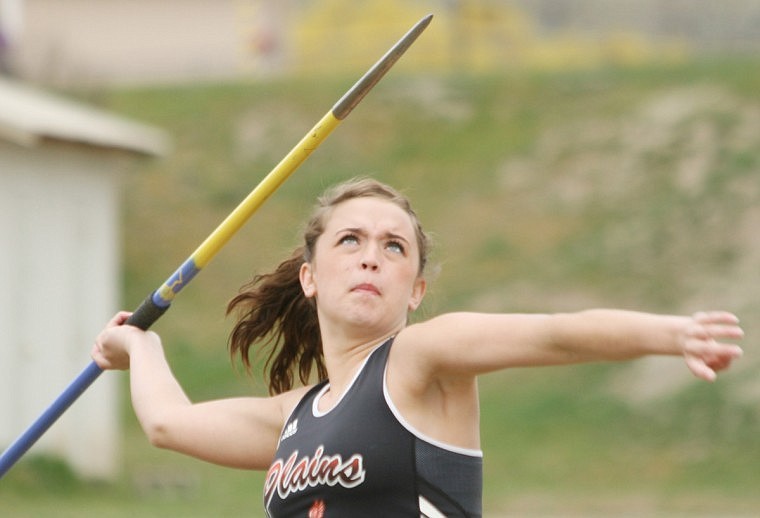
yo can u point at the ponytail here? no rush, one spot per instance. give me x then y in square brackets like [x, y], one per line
[274, 311]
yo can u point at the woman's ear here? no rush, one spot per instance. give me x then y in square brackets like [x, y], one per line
[306, 276]
[418, 292]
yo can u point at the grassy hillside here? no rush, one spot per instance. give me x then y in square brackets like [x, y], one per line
[629, 188]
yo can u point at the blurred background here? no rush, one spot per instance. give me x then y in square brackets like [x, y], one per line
[564, 155]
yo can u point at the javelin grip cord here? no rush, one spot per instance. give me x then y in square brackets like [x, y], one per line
[156, 304]
[146, 314]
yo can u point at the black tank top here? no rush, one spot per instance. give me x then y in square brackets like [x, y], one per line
[361, 459]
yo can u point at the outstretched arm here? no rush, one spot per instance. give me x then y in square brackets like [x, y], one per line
[239, 432]
[433, 365]
[473, 343]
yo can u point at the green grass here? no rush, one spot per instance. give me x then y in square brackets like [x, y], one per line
[544, 192]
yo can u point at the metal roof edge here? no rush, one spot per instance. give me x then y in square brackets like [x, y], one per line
[28, 114]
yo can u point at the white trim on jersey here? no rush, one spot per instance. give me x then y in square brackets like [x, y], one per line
[428, 510]
[406, 424]
[315, 404]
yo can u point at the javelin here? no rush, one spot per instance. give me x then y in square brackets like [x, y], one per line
[159, 301]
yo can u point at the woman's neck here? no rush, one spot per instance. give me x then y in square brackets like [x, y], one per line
[344, 356]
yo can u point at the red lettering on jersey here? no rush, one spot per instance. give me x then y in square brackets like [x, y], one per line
[292, 475]
[317, 510]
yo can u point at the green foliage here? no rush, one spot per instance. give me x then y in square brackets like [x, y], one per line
[41, 472]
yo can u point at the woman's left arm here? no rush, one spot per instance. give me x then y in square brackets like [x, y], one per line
[474, 343]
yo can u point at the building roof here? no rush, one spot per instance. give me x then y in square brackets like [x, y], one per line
[29, 115]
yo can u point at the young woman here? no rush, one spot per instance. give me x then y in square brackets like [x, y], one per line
[391, 428]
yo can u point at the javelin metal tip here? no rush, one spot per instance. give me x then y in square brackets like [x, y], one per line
[357, 92]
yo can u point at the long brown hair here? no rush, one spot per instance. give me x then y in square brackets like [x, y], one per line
[273, 310]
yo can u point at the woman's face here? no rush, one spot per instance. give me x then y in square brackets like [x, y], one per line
[364, 271]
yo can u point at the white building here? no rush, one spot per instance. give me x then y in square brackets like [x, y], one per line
[60, 164]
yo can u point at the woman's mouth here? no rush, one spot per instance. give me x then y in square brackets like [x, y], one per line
[366, 287]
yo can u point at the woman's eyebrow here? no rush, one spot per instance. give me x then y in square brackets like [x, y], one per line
[351, 230]
[399, 237]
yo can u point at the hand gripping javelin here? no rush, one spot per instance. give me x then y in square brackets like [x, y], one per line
[159, 301]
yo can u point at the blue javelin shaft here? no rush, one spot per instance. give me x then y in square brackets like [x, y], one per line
[25, 441]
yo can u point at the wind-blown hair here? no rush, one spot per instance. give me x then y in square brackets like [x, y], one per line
[275, 314]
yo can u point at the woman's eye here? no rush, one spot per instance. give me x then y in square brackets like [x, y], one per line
[396, 247]
[348, 239]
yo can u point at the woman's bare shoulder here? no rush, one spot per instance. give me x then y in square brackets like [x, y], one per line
[287, 401]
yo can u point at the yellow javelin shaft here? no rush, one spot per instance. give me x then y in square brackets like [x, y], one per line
[238, 217]
[163, 296]
[206, 251]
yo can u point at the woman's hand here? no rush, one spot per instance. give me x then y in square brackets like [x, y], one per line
[701, 344]
[112, 345]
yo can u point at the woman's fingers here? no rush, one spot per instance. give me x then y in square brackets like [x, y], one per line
[705, 354]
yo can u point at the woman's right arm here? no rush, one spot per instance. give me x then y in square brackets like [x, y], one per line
[238, 432]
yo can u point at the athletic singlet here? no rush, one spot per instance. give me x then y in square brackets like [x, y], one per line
[361, 458]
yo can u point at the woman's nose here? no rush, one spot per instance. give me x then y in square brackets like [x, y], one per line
[369, 264]
[369, 259]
